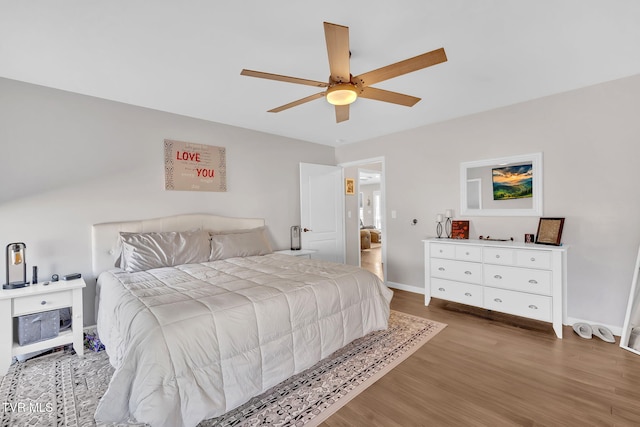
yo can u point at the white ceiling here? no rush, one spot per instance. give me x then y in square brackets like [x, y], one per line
[369, 177]
[186, 57]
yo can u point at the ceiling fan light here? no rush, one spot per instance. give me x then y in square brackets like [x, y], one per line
[342, 94]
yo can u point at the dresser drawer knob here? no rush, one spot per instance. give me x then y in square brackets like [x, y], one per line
[497, 276]
[440, 251]
[533, 307]
[466, 253]
[441, 289]
[468, 294]
[532, 259]
[497, 256]
[440, 268]
[467, 272]
[533, 282]
[497, 300]
[43, 302]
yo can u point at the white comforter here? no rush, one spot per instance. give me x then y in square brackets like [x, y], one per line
[195, 341]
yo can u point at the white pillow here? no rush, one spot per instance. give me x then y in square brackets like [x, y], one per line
[143, 251]
[239, 243]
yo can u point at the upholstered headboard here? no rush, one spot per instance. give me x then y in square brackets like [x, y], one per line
[105, 238]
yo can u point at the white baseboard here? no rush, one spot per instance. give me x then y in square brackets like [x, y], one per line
[408, 288]
[616, 330]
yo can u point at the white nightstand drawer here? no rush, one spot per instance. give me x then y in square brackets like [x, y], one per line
[441, 250]
[461, 271]
[469, 253]
[518, 303]
[498, 256]
[465, 293]
[533, 259]
[42, 302]
[518, 279]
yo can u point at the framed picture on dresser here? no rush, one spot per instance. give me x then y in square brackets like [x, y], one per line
[459, 229]
[550, 231]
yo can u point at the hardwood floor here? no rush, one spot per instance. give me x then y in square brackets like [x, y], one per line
[371, 259]
[491, 369]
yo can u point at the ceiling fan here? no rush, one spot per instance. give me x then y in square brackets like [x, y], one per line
[343, 88]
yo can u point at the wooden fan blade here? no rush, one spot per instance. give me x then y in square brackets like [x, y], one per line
[388, 96]
[280, 78]
[296, 103]
[337, 37]
[342, 113]
[403, 67]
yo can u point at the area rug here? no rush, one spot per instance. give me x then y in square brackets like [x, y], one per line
[62, 389]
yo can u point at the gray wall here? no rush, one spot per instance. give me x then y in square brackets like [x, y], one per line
[69, 161]
[590, 140]
[351, 222]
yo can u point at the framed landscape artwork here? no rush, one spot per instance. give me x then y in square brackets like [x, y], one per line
[512, 182]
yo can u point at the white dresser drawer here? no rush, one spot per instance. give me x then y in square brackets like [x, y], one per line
[465, 293]
[518, 303]
[469, 253]
[533, 259]
[42, 302]
[521, 279]
[442, 250]
[518, 279]
[461, 271]
[498, 256]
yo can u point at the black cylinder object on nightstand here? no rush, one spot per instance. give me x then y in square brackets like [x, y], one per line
[295, 238]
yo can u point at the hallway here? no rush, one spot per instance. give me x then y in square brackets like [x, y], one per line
[371, 259]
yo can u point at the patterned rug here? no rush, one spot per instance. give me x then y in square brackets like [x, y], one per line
[62, 389]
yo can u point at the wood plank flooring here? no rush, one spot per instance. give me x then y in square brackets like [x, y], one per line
[491, 369]
[371, 259]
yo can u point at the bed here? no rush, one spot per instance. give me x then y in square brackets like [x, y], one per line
[192, 335]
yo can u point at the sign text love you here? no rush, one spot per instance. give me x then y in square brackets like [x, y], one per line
[195, 157]
[190, 166]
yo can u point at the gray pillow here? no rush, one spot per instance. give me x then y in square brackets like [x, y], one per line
[143, 251]
[239, 243]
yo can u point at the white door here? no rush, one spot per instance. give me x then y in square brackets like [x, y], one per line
[322, 211]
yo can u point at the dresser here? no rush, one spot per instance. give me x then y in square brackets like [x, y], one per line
[523, 279]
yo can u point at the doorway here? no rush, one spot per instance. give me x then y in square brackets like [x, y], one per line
[365, 216]
[370, 217]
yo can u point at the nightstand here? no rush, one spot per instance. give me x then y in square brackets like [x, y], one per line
[37, 299]
[306, 253]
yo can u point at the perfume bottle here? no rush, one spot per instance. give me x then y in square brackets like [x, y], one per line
[295, 238]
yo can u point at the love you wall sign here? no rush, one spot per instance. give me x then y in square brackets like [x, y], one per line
[194, 167]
